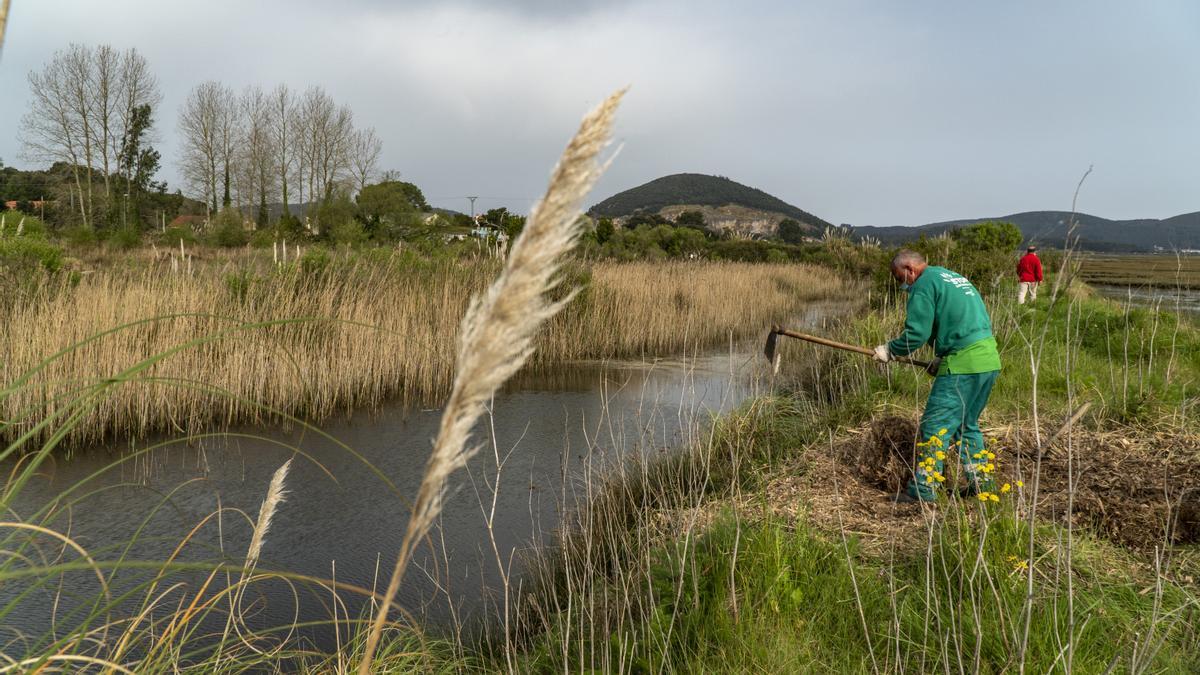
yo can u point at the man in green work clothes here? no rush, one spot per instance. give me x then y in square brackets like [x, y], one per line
[946, 311]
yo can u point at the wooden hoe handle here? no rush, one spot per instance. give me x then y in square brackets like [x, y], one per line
[776, 330]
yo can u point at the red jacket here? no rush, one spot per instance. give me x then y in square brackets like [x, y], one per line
[1029, 268]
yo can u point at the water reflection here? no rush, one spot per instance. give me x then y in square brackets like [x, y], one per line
[347, 507]
[343, 520]
[1186, 300]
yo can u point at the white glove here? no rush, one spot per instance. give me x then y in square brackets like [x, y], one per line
[883, 354]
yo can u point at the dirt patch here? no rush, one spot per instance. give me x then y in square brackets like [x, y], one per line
[849, 488]
[884, 460]
[1142, 490]
[1139, 489]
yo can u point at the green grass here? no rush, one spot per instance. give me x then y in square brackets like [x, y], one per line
[781, 596]
[1136, 366]
[753, 595]
[768, 598]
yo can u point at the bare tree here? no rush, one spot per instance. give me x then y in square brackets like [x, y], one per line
[52, 129]
[82, 101]
[203, 121]
[104, 85]
[283, 142]
[365, 149]
[257, 153]
[336, 141]
[137, 87]
[324, 138]
[229, 133]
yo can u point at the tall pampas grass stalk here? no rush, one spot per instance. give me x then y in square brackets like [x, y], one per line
[275, 496]
[498, 329]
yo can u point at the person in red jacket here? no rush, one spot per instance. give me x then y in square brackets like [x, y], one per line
[1029, 275]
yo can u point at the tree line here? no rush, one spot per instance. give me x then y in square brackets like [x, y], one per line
[250, 149]
[92, 119]
[91, 112]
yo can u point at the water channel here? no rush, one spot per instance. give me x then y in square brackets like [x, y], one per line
[1184, 300]
[342, 520]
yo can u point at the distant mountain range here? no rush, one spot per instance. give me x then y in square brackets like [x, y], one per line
[726, 204]
[1050, 228]
[729, 205]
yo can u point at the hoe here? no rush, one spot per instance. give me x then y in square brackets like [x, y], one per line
[930, 367]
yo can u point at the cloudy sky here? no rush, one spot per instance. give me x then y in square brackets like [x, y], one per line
[869, 113]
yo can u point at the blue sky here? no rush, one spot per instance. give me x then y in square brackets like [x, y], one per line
[869, 113]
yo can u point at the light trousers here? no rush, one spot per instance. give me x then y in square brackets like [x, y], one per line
[1024, 287]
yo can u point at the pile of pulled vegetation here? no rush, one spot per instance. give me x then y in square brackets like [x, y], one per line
[1138, 489]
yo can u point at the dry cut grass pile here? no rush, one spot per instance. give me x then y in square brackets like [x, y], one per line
[352, 334]
[1140, 489]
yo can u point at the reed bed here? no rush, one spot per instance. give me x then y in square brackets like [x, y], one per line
[258, 341]
[648, 308]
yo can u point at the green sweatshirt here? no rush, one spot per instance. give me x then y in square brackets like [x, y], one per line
[945, 311]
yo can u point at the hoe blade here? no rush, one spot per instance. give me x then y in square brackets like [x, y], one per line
[769, 349]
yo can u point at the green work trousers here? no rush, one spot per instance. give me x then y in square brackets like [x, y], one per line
[954, 405]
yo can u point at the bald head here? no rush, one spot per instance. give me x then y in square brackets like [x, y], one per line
[907, 265]
[906, 256]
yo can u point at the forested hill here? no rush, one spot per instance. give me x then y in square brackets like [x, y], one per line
[1050, 228]
[696, 189]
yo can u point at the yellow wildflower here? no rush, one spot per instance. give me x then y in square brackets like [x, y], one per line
[942, 431]
[983, 496]
[1020, 483]
[1005, 488]
[994, 497]
[941, 455]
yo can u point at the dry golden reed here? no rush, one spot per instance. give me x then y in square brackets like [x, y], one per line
[358, 333]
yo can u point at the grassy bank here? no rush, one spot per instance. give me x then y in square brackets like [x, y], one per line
[771, 546]
[1136, 366]
[145, 346]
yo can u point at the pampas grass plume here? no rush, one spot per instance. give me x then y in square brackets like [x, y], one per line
[498, 330]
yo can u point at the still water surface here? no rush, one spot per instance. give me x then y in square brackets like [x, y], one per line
[341, 519]
[1183, 300]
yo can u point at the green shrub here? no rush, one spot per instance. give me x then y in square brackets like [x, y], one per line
[25, 255]
[30, 226]
[290, 227]
[229, 229]
[80, 236]
[349, 232]
[315, 260]
[263, 237]
[238, 284]
[172, 235]
[124, 238]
